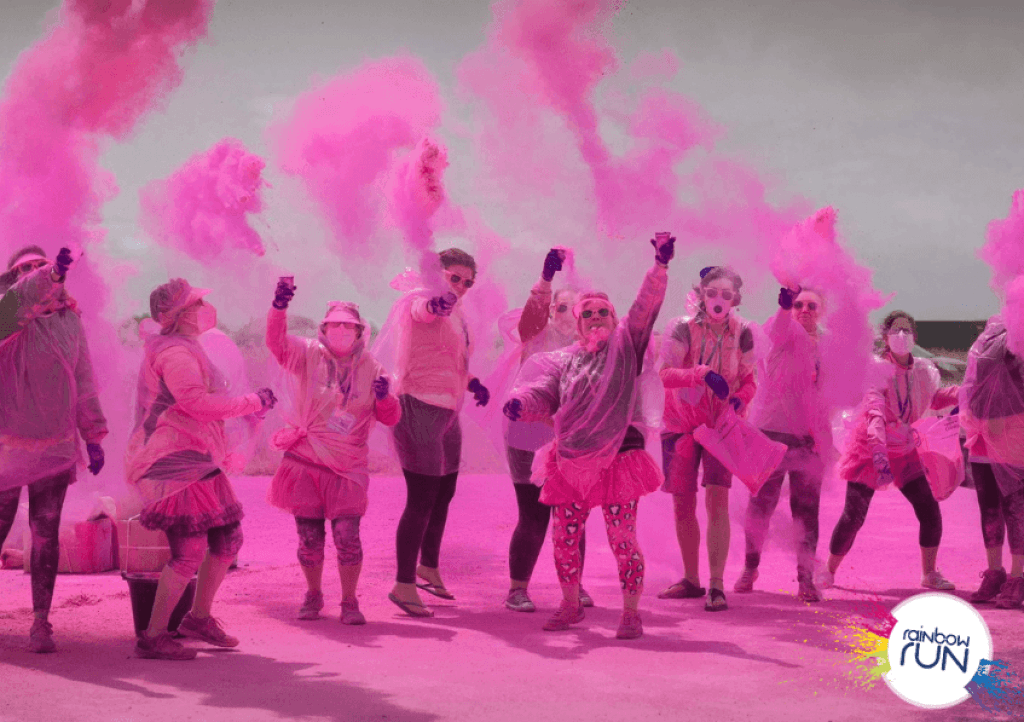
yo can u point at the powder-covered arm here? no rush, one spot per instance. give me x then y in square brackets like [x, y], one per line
[184, 379]
[534, 318]
[288, 350]
[644, 311]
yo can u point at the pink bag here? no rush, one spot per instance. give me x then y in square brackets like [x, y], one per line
[938, 446]
[742, 448]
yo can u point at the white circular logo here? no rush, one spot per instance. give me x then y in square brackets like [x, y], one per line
[935, 649]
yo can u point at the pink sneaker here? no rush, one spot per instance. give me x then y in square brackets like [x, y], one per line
[40, 637]
[207, 630]
[630, 627]
[565, 616]
[350, 613]
[162, 647]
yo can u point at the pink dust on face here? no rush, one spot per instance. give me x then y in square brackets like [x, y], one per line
[203, 208]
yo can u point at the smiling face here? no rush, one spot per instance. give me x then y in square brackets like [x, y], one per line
[808, 307]
[719, 297]
[596, 318]
[458, 277]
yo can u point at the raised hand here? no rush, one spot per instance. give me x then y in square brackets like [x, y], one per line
[786, 298]
[63, 263]
[380, 387]
[268, 399]
[284, 292]
[552, 263]
[664, 247]
[479, 391]
[442, 305]
[513, 409]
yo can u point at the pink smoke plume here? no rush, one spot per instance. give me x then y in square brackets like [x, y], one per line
[343, 139]
[416, 193]
[812, 256]
[203, 208]
[1004, 252]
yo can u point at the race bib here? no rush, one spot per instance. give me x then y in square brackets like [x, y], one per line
[341, 422]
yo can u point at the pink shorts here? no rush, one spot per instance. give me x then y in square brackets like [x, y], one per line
[632, 474]
[681, 457]
[315, 492]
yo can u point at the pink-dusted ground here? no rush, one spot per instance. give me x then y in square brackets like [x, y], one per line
[768, 658]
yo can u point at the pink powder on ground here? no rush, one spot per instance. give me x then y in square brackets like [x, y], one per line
[204, 207]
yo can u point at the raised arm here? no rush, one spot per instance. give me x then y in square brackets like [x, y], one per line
[535, 314]
[180, 371]
[644, 311]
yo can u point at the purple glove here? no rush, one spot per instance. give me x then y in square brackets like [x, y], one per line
[95, 451]
[552, 263]
[786, 298]
[284, 293]
[880, 458]
[718, 384]
[664, 247]
[268, 399]
[442, 305]
[380, 387]
[737, 403]
[513, 409]
[480, 392]
[63, 263]
[955, 411]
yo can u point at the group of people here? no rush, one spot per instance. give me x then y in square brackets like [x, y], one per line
[574, 436]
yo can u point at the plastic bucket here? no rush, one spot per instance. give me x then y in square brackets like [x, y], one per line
[142, 588]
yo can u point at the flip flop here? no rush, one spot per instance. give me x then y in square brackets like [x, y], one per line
[683, 589]
[437, 590]
[410, 608]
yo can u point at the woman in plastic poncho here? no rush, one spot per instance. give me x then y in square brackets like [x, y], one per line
[708, 365]
[592, 392]
[176, 459]
[336, 391]
[433, 378]
[992, 413]
[881, 450]
[47, 398]
[546, 324]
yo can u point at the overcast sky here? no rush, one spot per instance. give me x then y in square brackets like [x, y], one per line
[905, 115]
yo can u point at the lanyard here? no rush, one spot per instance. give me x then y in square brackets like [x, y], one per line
[906, 403]
[716, 350]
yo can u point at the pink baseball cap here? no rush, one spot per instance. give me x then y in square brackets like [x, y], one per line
[166, 302]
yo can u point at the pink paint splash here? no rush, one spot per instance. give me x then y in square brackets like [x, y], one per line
[203, 208]
[1004, 252]
[343, 140]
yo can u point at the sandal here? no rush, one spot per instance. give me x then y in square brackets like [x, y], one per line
[716, 601]
[437, 590]
[411, 608]
[683, 589]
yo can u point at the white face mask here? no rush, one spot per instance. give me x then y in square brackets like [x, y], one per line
[901, 342]
[206, 318]
[341, 339]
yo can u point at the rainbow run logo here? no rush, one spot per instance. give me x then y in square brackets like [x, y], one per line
[934, 651]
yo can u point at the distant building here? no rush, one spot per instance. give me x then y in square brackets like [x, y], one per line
[949, 335]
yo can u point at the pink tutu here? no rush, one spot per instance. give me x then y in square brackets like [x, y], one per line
[197, 508]
[312, 491]
[632, 474]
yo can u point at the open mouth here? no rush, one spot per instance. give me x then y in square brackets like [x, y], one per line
[718, 310]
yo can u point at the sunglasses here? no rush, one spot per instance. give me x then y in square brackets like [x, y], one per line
[562, 308]
[29, 266]
[602, 312]
[713, 293]
[811, 305]
[455, 279]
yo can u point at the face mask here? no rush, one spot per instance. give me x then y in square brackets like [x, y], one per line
[206, 318]
[341, 339]
[900, 343]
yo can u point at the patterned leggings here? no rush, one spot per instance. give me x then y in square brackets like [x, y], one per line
[568, 524]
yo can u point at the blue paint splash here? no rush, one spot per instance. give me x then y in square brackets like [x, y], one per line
[996, 689]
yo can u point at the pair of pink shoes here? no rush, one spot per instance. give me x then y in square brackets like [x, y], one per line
[164, 646]
[630, 626]
[314, 602]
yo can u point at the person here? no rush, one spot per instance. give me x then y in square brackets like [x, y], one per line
[433, 377]
[708, 365]
[177, 457]
[992, 414]
[591, 390]
[881, 450]
[47, 399]
[546, 324]
[791, 412]
[338, 390]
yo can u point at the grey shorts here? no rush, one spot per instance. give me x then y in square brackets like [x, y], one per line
[428, 439]
[681, 460]
[520, 465]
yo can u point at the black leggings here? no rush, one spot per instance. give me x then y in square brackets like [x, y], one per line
[529, 534]
[1001, 516]
[45, 503]
[421, 527]
[858, 499]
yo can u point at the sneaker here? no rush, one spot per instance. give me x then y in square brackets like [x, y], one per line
[630, 626]
[40, 637]
[207, 630]
[519, 601]
[565, 616]
[992, 581]
[807, 592]
[162, 647]
[935, 580]
[825, 579]
[350, 613]
[585, 599]
[1012, 594]
[311, 605]
[745, 584]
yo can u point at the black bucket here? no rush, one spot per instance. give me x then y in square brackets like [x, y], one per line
[142, 588]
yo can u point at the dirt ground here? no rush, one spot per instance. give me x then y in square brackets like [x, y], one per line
[769, 657]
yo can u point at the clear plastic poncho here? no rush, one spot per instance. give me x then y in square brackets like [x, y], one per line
[992, 405]
[47, 389]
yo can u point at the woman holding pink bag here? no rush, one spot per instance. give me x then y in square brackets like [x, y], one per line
[881, 450]
[336, 391]
[703, 359]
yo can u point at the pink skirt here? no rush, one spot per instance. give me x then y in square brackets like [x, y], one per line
[632, 474]
[197, 508]
[312, 491]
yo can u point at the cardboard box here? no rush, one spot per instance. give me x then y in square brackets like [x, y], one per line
[149, 550]
[86, 547]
